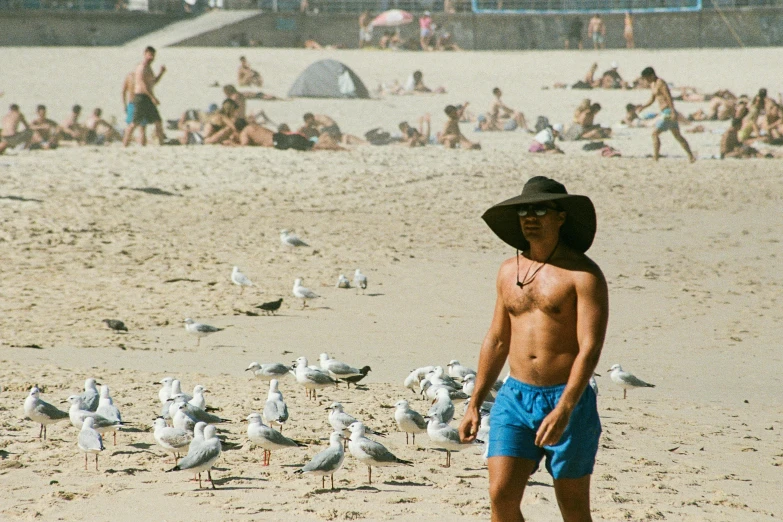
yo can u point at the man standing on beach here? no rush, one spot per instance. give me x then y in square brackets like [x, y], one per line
[549, 322]
[596, 30]
[144, 100]
[668, 117]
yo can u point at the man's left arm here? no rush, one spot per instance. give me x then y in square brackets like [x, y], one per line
[160, 74]
[592, 315]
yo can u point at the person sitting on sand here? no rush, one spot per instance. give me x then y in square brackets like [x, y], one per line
[611, 79]
[501, 116]
[584, 127]
[220, 126]
[315, 125]
[544, 141]
[732, 147]
[71, 129]
[412, 137]
[719, 109]
[248, 77]
[98, 130]
[415, 85]
[452, 135]
[445, 42]
[45, 128]
[11, 136]
[631, 118]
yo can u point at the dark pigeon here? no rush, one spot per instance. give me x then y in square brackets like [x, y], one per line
[116, 325]
[271, 306]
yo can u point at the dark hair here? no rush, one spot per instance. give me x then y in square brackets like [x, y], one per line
[630, 107]
[648, 72]
[403, 124]
[496, 91]
[595, 107]
[417, 75]
[231, 103]
[14, 107]
[736, 122]
[229, 89]
[242, 58]
[150, 49]
[240, 124]
[283, 127]
[40, 108]
[449, 110]
[762, 93]
[77, 108]
[308, 116]
[97, 112]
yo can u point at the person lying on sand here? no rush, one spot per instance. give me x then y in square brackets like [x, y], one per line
[544, 141]
[719, 109]
[316, 125]
[415, 85]
[501, 117]
[254, 135]
[631, 118]
[584, 127]
[452, 135]
[286, 139]
[11, 136]
[412, 137]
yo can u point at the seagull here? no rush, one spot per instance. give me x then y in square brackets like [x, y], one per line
[340, 420]
[343, 282]
[198, 400]
[181, 420]
[359, 281]
[172, 440]
[469, 384]
[240, 279]
[354, 379]
[202, 455]
[369, 452]
[328, 461]
[275, 409]
[414, 378]
[593, 383]
[164, 394]
[311, 379]
[108, 410]
[116, 325]
[267, 372]
[445, 437]
[41, 411]
[270, 307]
[337, 369]
[199, 330]
[289, 239]
[409, 420]
[197, 413]
[90, 441]
[300, 292]
[443, 408]
[176, 389]
[626, 380]
[457, 371]
[78, 415]
[262, 435]
[90, 395]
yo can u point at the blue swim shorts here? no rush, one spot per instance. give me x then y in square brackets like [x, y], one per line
[667, 121]
[129, 114]
[518, 412]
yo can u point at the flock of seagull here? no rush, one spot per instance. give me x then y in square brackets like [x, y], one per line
[186, 430]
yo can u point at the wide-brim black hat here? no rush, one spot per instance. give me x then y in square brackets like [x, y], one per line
[578, 230]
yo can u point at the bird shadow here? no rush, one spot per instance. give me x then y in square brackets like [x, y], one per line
[374, 295]
[127, 471]
[135, 430]
[20, 198]
[537, 483]
[140, 445]
[225, 480]
[114, 453]
[404, 483]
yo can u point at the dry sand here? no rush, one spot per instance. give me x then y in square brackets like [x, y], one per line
[691, 254]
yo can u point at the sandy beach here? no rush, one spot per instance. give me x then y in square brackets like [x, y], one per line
[691, 254]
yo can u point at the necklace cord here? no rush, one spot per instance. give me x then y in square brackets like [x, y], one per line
[525, 280]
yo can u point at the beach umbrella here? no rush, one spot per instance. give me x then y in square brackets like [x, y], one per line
[392, 18]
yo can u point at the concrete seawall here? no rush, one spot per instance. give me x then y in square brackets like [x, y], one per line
[753, 27]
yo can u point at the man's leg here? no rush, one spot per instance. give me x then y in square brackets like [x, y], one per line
[159, 132]
[679, 137]
[573, 497]
[128, 134]
[656, 137]
[507, 480]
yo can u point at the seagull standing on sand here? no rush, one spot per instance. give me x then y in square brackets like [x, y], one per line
[172, 440]
[240, 279]
[90, 441]
[343, 282]
[267, 372]
[90, 395]
[181, 420]
[328, 461]
[337, 369]
[291, 240]
[459, 372]
[443, 407]
[408, 420]
[275, 408]
[369, 452]
[41, 411]
[262, 435]
[626, 380]
[199, 330]
[78, 415]
[108, 410]
[164, 394]
[444, 436]
[311, 379]
[414, 378]
[300, 292]
[359, 281]
[202, 455]
[198, 400]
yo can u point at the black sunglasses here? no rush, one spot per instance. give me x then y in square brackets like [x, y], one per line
[537, 210]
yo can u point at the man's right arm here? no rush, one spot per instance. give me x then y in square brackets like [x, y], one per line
[494, 352]
[652, 100]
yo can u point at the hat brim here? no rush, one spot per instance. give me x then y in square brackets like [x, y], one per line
[578, 230]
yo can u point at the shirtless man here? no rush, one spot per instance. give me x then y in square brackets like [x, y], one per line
[128, 90]
[503, 117]
[596, 30]
[668, 120]
[316, 125]
[144, 100]
[246, 76]
[11, 136]
[732, 147]
[71, 129]
[452, 135]
[99, 131]
[549, 323]
[45, 129]
[256, 135]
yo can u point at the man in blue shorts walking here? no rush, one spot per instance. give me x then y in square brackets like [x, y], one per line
[549, 323]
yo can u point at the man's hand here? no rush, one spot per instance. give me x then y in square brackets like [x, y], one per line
[552, 427]
[162, 70]
[468, 428]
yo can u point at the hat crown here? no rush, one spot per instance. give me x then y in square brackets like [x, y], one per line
[539, 185]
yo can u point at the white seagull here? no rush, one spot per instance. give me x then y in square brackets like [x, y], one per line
[311, 379]
[408, 420]
[164, 394]
[369, 452]
[275, 409]
[90, 441]
[172, 440]
[198, 400]
[303, 293]
[90, 395]
[337, 369]
[240, 279]
[343, 282]
[626, 380]
[457, 371]
[42, 412]
[359, 281]
[78, 415]
[202, 455]
[291, 240]
[443, 406]
[444, 436]
[267, 372]
[199, 330]
[269, 439]
[108, 410]
[328, 461]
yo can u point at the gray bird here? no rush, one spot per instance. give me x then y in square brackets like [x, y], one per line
[626, 380]
[370, 452]
[275, 408]
[271, 307]
[269, 371]
[40, 411]
[200, 330]
[202, 455]
[90, 396]
[443, 406]
[172, 440]
[408, 420]
[262, 435]
[354, 379]
[116, 325]
[444, 436]
[90, 441]
[328, 461]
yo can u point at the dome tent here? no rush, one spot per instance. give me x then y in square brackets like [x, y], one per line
[328, 79]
